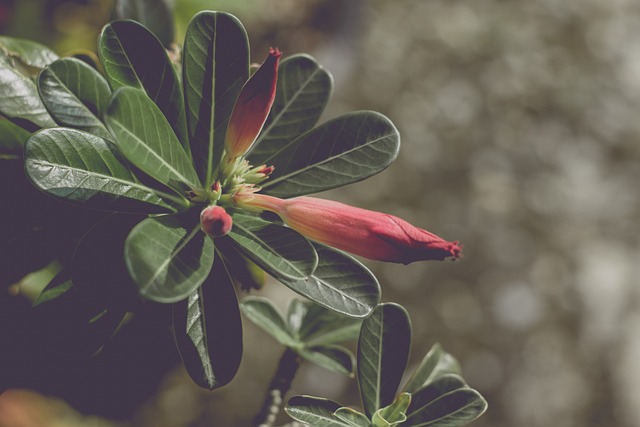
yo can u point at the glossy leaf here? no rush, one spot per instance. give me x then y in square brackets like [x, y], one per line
[88, 170]
[208, 330]
[339, 283]
[323, 327]
[296, 314]
[383, 351]
[132, 56]
[156, 15]
[435, 389]
[352, 417]
[342, 151]
[75, 95]
[85, 169]
[264, 314]
[437, 362]
[452, 409]
[29, 53]
[302, 93]
[280, 251]
[334, 358]
[314, 411]
[145, 138]
[12, 139]
[215, 67]
[20, 63]
[168, 257]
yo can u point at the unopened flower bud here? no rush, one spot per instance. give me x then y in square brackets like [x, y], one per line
[215, 221]
[252, 107]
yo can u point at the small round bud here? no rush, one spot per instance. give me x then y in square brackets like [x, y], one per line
[215, 221]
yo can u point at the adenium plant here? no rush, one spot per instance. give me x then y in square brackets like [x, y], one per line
[214, 166]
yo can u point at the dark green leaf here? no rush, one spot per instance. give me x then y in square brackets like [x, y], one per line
[303, 90]
[280, 251]
[20, 63]
[339, 283]
[54, 290]
[12, 139]
[334, 358]
[344, 150]
[215, 67]
[168, 257]
[264, 314]
[88, 170]
[75, 95]
[452, 409]
[383, 351]
[352, 417]
[314, 411]
[435, 389]
[145, 138]
[156, 15]
[132, 56]
[208, 330]
[436, 363]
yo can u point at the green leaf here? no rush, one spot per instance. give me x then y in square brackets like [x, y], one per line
[302, 93]
[314, 411]
[208, 330]
[342, 151]
[435, 389]
[339, 283]
[168, 257]
[437, 362]
[132, 56]
[88, 170]
[20, 63]
[27, 52]
[12, 139]
[264, 314]
[321, 326]
[215, 67]
[156, 15]
[352, 417]
[54, 290]
[393, 414]
[383, 351]
[145, 138]
[280, 251]
[334, 358]
[296, 315]
[452, 409]
[75, 95]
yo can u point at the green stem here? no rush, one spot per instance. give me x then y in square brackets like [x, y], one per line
[279, 386]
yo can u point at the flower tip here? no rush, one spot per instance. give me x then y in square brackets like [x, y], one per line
[455, 250]
[215, 221]
[274, 51]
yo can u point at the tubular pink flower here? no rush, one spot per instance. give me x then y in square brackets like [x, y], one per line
[370, 234]
[252, 107]
[215, 221]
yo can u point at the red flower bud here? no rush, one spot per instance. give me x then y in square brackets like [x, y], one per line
[370, 234]
[252, 107]
[215, 221]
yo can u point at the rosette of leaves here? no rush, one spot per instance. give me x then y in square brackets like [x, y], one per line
[141, 138]
[436, 394]
[312, 332]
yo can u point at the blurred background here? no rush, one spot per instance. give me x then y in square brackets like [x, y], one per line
[520, 138]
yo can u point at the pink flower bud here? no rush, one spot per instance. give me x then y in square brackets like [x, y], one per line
[370, 234]
[215, 221]
[252, 107]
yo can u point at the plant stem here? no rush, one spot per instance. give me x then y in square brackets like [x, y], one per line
[279, 386]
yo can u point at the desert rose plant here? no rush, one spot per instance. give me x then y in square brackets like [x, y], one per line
[213, 165]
